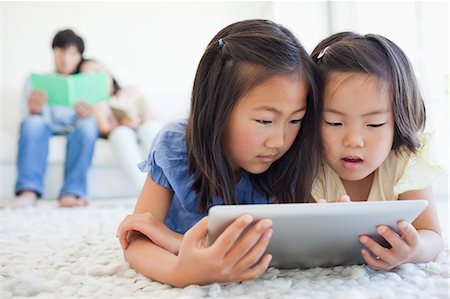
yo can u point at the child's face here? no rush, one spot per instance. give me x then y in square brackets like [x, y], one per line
[66, 59]
[264, 123]
[358, 124]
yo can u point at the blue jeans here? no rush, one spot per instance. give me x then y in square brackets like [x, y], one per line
[35, 133]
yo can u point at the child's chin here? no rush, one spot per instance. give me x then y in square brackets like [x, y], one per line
[258, 170]
[353, 177]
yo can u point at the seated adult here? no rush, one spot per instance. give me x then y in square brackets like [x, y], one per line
[42, 121]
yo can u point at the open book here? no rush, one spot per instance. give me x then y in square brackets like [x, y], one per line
[128, 102]
[67, 90]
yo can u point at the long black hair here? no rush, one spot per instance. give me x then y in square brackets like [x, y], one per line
[240, 57]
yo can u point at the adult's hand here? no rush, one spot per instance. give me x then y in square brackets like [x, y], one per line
[83, 109]
[36, 100]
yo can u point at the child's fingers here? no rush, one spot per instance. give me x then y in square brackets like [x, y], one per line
[409, 233]
[123, 240]
[134, 222]
[344, 198]
[396, 242]
[257, 270]
[152, 228]
[374, 262]
[122, 234]
[378, 250]
[249, 241]
[196, 233]
[228, 238]
[256, 252]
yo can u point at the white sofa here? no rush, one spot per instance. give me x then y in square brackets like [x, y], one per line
[105, 178]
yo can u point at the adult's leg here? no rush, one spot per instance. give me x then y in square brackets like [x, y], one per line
[124, 142]
[34, 136]
[79, 153]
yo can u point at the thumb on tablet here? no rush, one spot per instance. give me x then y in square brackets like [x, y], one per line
[197, 233]
[344, 198]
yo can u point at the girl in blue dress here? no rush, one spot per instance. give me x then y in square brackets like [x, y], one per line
[251, 138]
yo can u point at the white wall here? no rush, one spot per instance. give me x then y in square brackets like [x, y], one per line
[154, 45]
[308, 20]
[157, 45]
[420, 28]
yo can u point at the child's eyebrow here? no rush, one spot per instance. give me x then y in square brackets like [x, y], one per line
[276, 111]
[381, 111]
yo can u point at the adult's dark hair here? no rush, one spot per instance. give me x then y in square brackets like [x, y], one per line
[240, 57]
[67, 37]
[377, 56]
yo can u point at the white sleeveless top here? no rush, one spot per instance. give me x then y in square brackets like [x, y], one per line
[396, 175]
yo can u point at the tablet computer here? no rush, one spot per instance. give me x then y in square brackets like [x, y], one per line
[307, 235]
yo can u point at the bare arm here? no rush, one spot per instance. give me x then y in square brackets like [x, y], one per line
[430, 241]
[146, 111]
[104, 118]
[231, 258]
[143, 254]
[417, 242]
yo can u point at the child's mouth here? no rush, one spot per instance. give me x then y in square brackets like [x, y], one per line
[352, 162]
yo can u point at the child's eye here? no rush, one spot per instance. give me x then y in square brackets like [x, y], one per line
[296, 121]
[375, 125]
[263, 122]
[333, 124]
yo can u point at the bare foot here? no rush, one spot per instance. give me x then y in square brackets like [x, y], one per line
[68, 201]
[25, 198]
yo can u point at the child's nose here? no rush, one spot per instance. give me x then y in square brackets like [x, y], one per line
[353, 138]
[276, 138]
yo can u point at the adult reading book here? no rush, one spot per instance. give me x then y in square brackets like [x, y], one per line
[40, 121]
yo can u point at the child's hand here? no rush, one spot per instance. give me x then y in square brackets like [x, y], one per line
[130, 121]
[403, 247]
[151, 227]
[343, 198]
[230, 258]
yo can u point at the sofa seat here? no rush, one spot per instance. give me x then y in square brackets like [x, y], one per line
[105, 178]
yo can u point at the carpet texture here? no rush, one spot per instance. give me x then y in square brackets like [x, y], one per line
[60, 253]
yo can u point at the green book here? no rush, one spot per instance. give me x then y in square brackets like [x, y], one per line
[67, 90]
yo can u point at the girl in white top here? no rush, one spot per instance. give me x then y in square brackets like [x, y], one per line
[373, 146]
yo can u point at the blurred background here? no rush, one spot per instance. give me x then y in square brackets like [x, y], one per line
[156, 46]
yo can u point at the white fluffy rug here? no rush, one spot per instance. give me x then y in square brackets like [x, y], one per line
[59, 253]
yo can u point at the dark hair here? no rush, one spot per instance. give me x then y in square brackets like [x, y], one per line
[65, 38]
[240, 57]
[378, 56]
